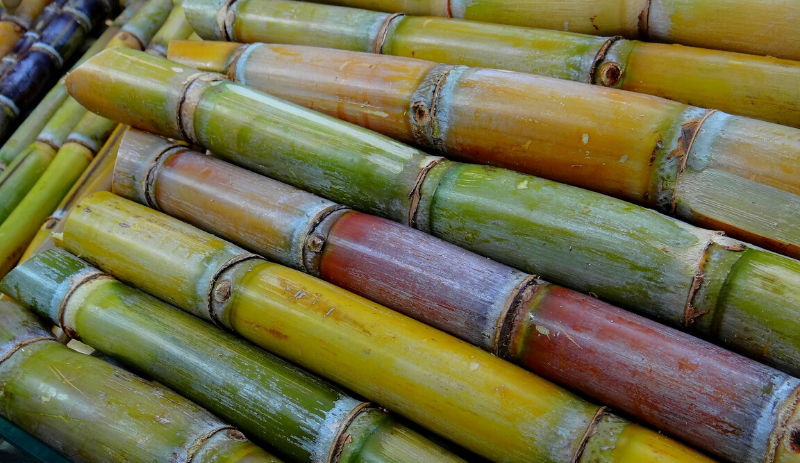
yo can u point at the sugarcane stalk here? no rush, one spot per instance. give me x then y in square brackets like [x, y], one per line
[176, 27]
[753, 86]
[143, 26]
[27, 132]
[50, 12]
[295, 413]
[460, 392]
[91, 411]
[625, 145]
[537, 325]
[25, 170]
[21, 175]
[78, 151]
[13, 25]
[741, 26]
[627, 255]
[26, 78]
[214, 56]
[393, 199]
[17, 180]
[140, 27]
[96, 177]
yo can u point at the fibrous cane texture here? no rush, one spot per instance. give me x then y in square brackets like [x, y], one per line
[366, 347]
[677, 159]
[93, 412]
[301, 416]
[662, 376]
[746, 85]
[741, 296]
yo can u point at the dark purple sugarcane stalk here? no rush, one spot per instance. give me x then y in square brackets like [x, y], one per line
[26, 78]
[50, 12]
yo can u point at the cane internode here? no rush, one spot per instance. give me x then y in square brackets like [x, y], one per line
[390, 231]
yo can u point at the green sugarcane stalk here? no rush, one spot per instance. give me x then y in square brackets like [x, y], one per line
[176, 27]
[304, 418]
[25, 170]
[146, 23]
[22, 83]
[78, 151]
[741, 25]
[679, 160]
[455, 392]
[753, 86]
[737, 295]
[615, 357]
[19, 178]
[93, 412]
[27, 132]
[96, 177]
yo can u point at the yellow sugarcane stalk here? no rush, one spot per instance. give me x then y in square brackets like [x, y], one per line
[737, 25]
[753, 86]
[671, 157]
[96, 177]
[479, 401]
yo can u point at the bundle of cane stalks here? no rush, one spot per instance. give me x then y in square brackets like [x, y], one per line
[400, 231]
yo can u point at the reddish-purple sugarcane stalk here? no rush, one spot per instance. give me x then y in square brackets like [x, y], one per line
[701, 393]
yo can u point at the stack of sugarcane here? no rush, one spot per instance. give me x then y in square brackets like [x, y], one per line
[23, 81]
[753, 86]
[105, 245]
[534, 324]
[34, 185]
[736, 25]
[672, 157]
[739, 295]
[45, 385]
[517, 416]
[292, 411]
[27, 15]
[377, 210]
